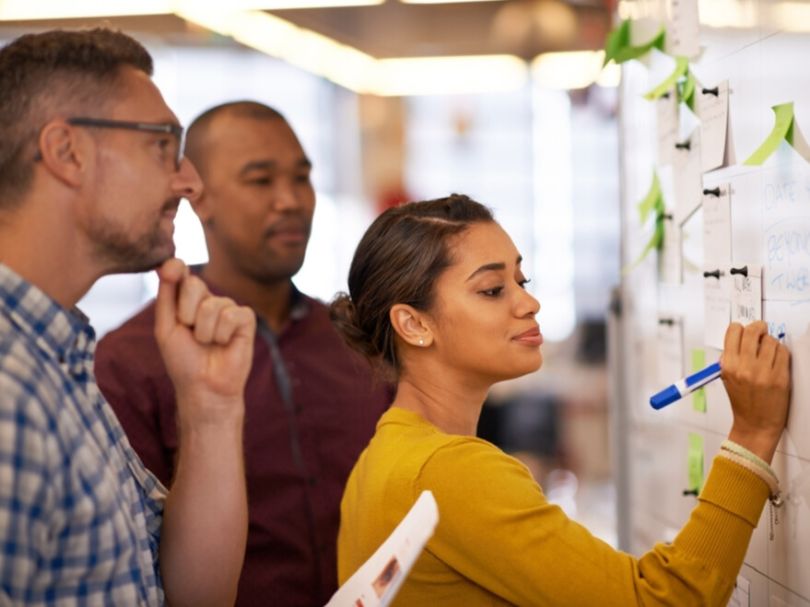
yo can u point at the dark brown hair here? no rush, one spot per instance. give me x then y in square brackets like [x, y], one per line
[49, 74]
[398, 260]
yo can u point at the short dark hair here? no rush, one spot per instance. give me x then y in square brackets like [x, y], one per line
[398, 260]
[54, 71]
[198, 129]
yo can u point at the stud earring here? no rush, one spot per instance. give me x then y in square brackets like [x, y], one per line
[421, 341]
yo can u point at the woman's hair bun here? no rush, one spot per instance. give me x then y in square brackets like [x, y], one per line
[343, 314]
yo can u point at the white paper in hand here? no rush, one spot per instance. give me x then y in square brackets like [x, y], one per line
[377, 581]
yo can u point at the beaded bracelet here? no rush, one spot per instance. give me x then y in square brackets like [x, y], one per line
[743, 457]
[730, 445]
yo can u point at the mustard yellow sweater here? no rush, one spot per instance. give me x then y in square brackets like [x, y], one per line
[499, 542]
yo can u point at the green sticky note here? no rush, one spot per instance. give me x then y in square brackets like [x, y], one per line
[699, 395]
[686, 90]
[681, 68]
[695, 462]
[619, 49]
[782, 130]
[651, 200]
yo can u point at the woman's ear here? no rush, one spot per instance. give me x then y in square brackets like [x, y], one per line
[411, 325]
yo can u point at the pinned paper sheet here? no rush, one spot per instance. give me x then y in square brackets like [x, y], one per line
[699, 395]
[377, 581]
[711, 106]
[784, 129]
[670, 349]
[681, 67]
[717, 226]
[666, 110]
[695, 462]
[746, 294]
[741, 597]
[689, 177]
[619, 48]
[684, 32]
[716, 307]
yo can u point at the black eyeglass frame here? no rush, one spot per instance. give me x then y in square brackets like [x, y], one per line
[147, 127]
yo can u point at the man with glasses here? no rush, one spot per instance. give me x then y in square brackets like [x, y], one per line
[91, 174]
[311, 404]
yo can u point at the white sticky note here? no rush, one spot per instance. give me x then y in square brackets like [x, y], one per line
[746, 294]
[688, 176]
[684, 32]
[671, 258]
[666, 110]
[716, 307]
[670, 349]
[711, 105]
[787, 258]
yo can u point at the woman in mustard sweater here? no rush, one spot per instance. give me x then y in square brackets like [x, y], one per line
[436, 294]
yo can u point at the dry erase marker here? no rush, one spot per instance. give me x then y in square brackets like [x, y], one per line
[688, 384]
[685, 386]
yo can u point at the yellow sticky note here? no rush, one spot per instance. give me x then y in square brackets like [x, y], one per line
[695, 462]
[699, 395]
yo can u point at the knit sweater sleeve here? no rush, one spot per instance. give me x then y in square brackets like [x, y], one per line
[497, 529]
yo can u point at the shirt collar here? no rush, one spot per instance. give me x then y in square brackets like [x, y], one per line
[299, 303]
[65, 335]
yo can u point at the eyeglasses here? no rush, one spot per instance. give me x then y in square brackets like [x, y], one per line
[147, 127]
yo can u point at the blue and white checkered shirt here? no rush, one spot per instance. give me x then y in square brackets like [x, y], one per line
[79, 514]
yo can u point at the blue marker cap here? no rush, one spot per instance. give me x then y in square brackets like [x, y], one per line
[665, 397]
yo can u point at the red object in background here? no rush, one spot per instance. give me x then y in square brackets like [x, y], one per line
[392, 197]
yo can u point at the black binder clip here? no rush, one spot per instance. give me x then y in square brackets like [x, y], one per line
[743, 271]
[712, 192]
[686, 145]
[666, 321]
[713, 274]
[715, 91]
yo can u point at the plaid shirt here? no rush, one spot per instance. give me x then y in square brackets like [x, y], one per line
[79, 514]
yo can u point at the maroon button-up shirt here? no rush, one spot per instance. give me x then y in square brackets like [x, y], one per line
[311, 408]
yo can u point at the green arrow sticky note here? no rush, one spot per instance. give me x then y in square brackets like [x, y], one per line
[619, 49]
[695, 462]
[699, 395]
[651, 200]
[686, 90]
[681, 67]
[782, 130]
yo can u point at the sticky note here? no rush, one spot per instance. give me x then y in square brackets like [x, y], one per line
[699, 395]
[695, 462]
[784, 129]
[619, 49]
[712, 108]
[746, 294]
[681, 67]
[653, 201]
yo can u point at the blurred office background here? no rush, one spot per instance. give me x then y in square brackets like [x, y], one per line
[504, 100]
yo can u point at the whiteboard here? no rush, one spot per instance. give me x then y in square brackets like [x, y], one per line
[770, 227]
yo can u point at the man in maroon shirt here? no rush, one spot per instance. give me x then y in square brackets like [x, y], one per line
[311, 404]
